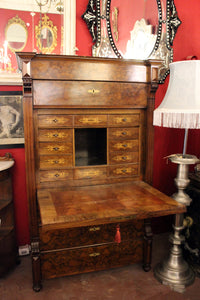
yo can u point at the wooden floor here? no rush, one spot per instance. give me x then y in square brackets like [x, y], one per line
[127, 283]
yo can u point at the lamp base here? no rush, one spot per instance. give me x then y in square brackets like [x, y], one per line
[177, 277]
[175, 271]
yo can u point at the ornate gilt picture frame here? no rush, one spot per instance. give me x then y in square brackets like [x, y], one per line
[46, 35]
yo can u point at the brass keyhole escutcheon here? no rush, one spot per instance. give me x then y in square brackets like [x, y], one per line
[93, 91]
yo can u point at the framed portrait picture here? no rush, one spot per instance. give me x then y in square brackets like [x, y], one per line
[11, 120]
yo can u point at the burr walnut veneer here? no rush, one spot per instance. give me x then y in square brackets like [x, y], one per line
[89, 157]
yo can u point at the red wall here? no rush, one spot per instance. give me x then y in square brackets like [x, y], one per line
[167, 141]
[19, 186]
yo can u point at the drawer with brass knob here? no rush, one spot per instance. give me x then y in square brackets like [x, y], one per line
[124, 133]
[55, 148]
[55, 135]
[124, 120]
[86, 259]
[124, 170]
[126, 145]
[89, 235]
[55, 161]
[54, 121]
[121, 157]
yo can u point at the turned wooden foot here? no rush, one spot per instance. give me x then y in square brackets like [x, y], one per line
[147, 253]
[36, 267]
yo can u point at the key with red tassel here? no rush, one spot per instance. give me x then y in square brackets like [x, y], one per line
[118, 235]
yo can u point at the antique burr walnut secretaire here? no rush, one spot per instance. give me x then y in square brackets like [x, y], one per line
[89, 162]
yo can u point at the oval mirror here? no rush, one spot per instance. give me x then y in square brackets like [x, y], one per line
[134, 27]
[16, 34]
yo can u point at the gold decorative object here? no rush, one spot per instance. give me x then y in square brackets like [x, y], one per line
[16, 34]
[46, 35]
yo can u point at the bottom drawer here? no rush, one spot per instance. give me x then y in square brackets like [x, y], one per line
[87, 259]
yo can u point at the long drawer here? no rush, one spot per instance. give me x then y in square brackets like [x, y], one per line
[90, 120]
[87, 259]
[93, 93]
[90, 173]
[89, 235]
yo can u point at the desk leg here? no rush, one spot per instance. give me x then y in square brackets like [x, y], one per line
[147, 252]
[36, 270]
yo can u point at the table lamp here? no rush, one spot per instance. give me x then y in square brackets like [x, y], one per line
[180, 108]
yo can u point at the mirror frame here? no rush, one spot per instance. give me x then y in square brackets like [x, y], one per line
[18, 21]
[163, 45]
[45, 23]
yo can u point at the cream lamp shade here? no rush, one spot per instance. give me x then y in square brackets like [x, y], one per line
[180, 107]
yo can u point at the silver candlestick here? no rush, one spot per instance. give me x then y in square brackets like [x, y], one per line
[175, 271]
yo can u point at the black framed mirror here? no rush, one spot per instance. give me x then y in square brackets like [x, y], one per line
[133, 29]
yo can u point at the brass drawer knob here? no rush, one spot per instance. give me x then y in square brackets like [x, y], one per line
[94, 228]
[56, 175]
[124, 133]
[56, 148]
[55, 120]
[95, 254]
[55, 135]
[125, 145]
[124, 158]
[124, 120]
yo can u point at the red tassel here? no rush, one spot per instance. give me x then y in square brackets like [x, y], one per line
[118, 235]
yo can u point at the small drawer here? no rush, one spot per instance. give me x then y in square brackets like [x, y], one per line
[55, 148]
[90, 120]
[89, 235]
[50, 161]
[90, 173]
[54, 121]
[55, 135]
[55, 175]
[124, 133]
[81, 260]
[123, 171]
[127, 157]
[124, 120]
[126, 145]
